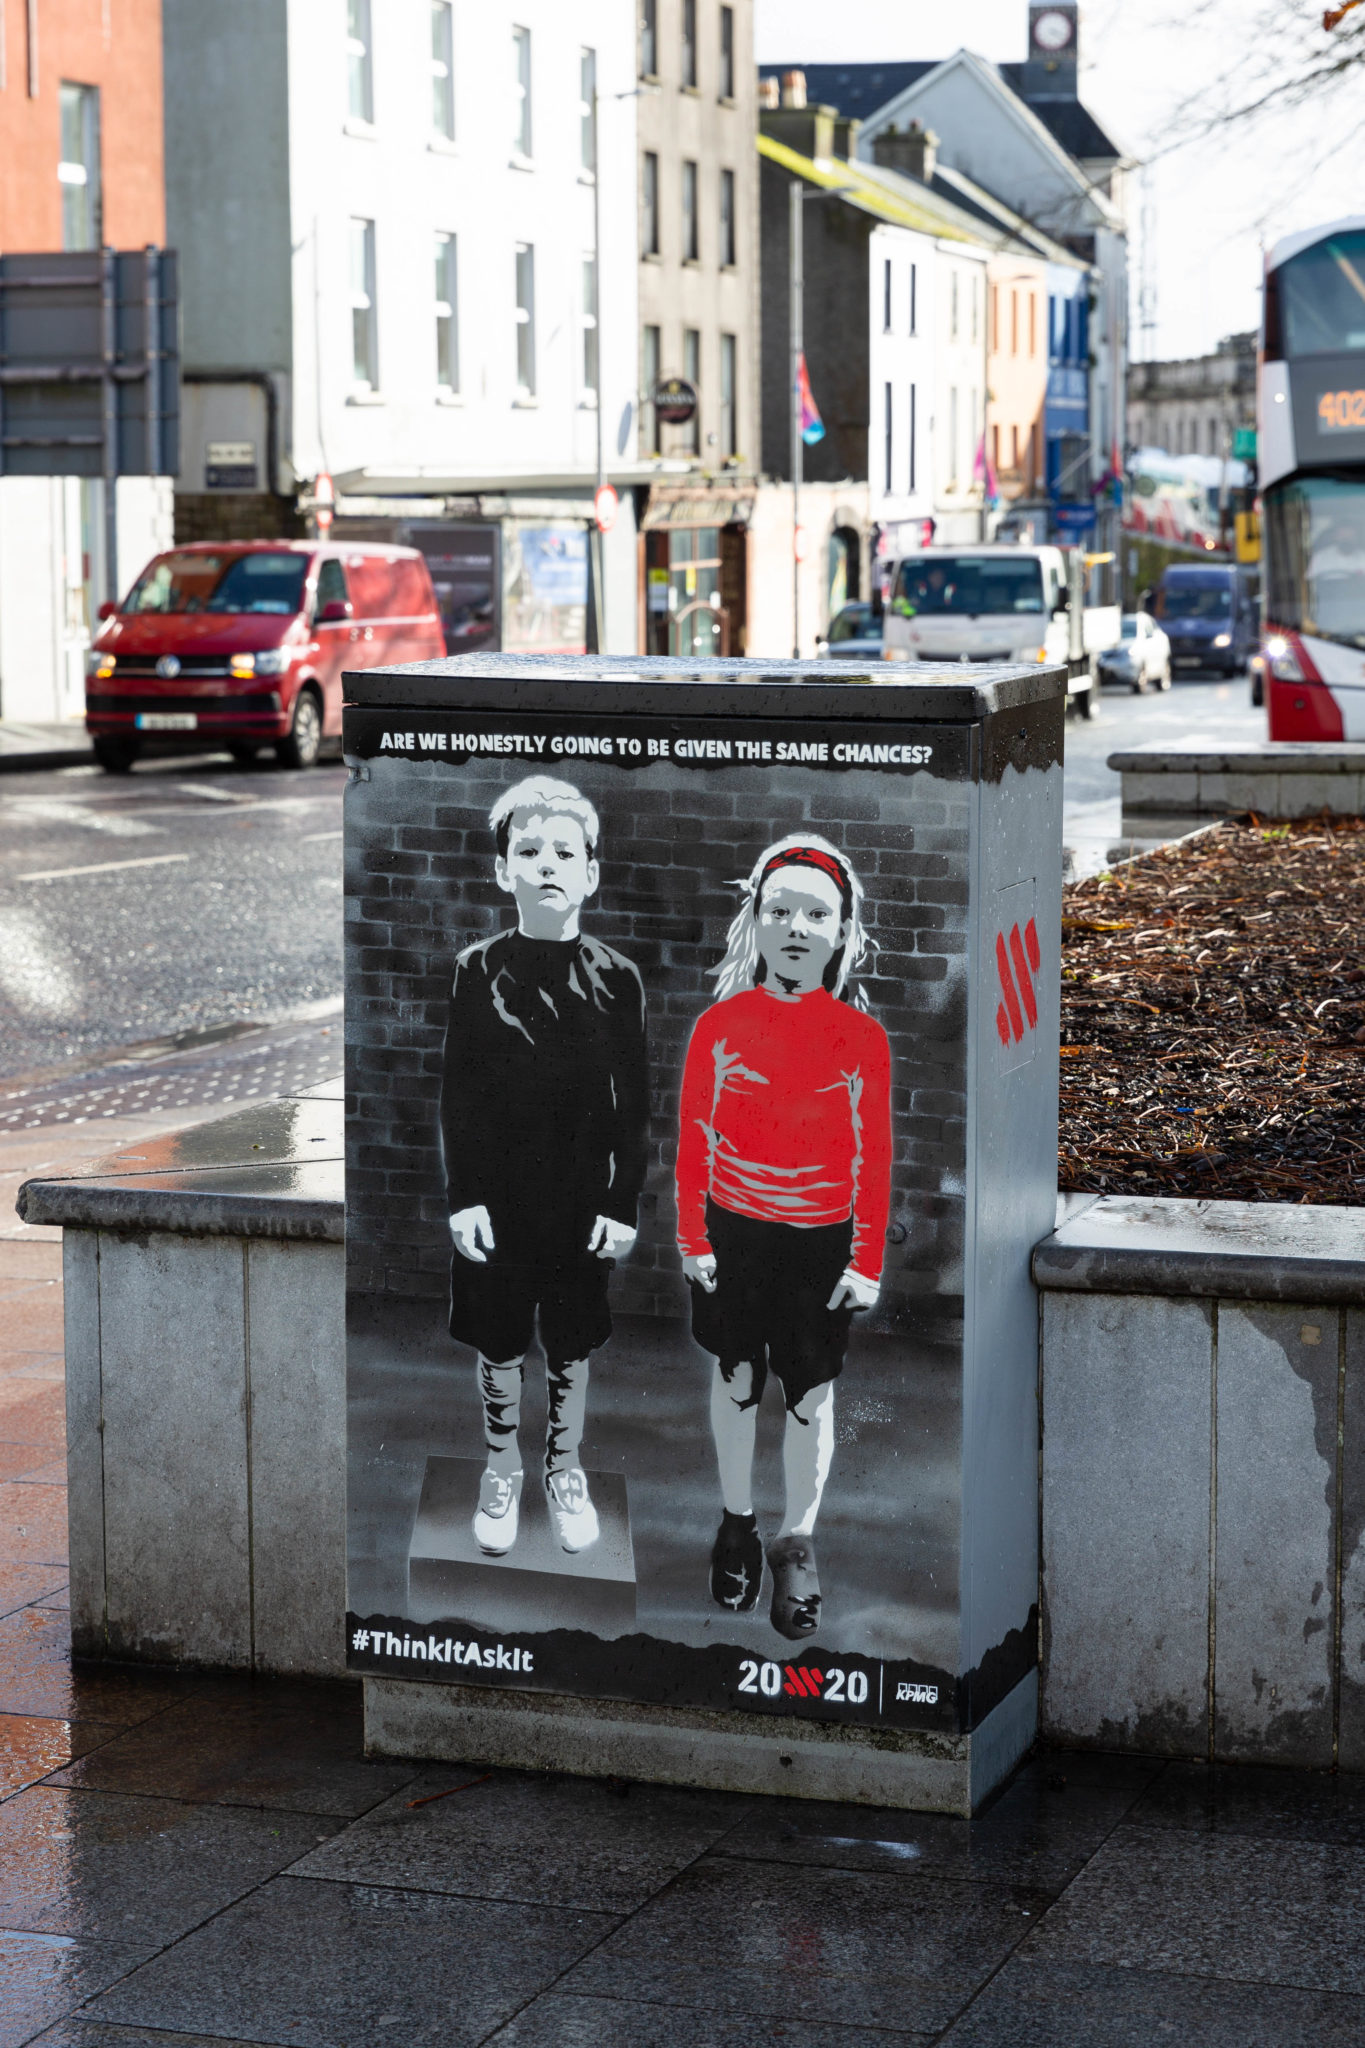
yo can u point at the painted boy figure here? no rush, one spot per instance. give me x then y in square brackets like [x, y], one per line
[784, 1183]
[544, 1117]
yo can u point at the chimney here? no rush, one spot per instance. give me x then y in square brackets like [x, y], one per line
[809, 130]
[769, 94]
[912, 151]
[846, 138]
[793, 88]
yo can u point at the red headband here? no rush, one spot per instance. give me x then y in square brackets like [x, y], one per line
[806, 857]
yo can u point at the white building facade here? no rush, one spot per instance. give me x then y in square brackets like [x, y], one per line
[902, 429]
[959, 488]
[439, 284]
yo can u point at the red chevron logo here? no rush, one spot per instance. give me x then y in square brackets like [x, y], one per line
[1018, 959]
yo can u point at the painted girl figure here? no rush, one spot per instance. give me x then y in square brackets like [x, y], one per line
[784, 1170]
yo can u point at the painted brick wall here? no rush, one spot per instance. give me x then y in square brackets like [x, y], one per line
[420, 888]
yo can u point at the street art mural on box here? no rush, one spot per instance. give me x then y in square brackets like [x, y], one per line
[656, 1169]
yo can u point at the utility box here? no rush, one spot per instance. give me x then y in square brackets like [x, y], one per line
[702, 1028]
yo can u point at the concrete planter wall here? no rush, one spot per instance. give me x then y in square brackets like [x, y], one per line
[1204, 1480]
[1288, 779]
[1203, 1454]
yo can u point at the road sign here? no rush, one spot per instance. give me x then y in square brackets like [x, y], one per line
[604, 505]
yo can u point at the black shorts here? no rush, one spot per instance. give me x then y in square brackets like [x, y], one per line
[771, 1304]
[494, 1306]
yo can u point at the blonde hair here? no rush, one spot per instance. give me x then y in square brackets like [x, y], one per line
[741, 968]
[542, 795]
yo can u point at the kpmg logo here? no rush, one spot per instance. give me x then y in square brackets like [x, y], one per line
[168, 666]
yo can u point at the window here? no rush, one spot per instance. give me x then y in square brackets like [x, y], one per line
[443, 69]
[526, 320]
[521, 91]
[692, 372]
[447, 315]
[886, 296]
[359, 60]
[1014, 323]
[729, 422]
[689, 42]
[976, 307]
[79, 169]
[364, 336]
[689, 211]
[649, 204]
[727, 53]
[914, 434]
[651, 356]
[1033, 323]
[888, 425]
[996, 336]
[914, 298]
[587, 112]
[952, 438]
[590, 326]
[727, 220]
[649, 39]
[331, 586]
[952, 310]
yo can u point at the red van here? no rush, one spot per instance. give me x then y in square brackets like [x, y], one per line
[242, 644]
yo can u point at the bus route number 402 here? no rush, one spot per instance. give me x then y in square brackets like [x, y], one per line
[803, 1681]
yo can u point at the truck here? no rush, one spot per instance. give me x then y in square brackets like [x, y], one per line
[1004, 604]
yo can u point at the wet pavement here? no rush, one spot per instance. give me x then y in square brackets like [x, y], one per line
[187, 1861]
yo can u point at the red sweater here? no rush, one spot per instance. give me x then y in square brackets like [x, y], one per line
[786, 1117]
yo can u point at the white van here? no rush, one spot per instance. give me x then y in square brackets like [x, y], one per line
[997, 604]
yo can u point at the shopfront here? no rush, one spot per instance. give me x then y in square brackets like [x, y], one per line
[694, 572]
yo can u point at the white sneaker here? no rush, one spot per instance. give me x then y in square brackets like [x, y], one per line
[495, 1519]
[571, 1510]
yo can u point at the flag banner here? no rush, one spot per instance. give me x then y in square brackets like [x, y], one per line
[812, 426]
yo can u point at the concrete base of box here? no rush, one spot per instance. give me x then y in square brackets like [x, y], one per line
[722, 1752]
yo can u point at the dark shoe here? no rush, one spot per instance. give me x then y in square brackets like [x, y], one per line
[796, 1587]
[737, 1564]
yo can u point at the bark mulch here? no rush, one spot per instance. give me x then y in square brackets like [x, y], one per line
[1213, 1018]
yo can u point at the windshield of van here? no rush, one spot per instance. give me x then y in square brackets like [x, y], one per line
[974, 586]
[1315, 557]
[1193, 601]
[267, 582]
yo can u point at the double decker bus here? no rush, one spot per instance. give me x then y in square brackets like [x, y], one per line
[1311, 459]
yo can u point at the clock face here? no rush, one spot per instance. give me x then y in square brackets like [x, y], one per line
[1053, 30]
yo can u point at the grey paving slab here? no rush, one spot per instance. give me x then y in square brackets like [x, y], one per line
[338, 1966]
[80, 2032]
[535, 1839]
[45, 1976]
[1038, 1834]
[32, 1745]
[175, 1462]
[1351, 1711]
[297, 1295]
[557, 2021]
[298, 1749]
[1250, 1908]
[730, 1937]
[135, 1873]
[1127, 1466]
[1035, 2005]
[1276, 1552]
[1306, 1806]
[37, 1676]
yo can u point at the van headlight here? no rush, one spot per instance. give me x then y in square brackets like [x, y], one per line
[273, 662]
[1223, 640]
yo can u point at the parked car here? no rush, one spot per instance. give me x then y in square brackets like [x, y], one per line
[242, 645]
[1141, 657]
[854, 633]
[1209, 614]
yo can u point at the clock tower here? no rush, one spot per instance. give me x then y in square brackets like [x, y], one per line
[1053, 36]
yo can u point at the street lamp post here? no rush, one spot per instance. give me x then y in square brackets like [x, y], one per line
[798, 292]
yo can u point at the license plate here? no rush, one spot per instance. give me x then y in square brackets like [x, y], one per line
[1189, 661]
[167, 721]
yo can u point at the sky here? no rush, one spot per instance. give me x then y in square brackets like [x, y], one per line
[1210, 202]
